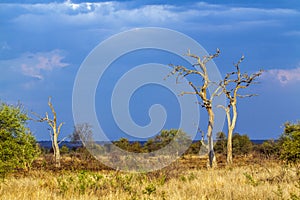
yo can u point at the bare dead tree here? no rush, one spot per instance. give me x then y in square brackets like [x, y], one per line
[231, 84]
[54, 132]
[202, 92]
[82, 132]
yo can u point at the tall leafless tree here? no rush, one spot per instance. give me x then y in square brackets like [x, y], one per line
[54, 132]
[231, 84]
[199, 69]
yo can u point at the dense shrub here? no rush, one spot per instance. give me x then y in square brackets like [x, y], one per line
[241, 144]
[123, 143]
[268, 149]
[64, 149]
[18, 147]
[178, 138]
[194, 148]
[221, 143]
[290, 143]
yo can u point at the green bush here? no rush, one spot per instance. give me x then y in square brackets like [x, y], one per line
[269, 149]
[177, 138]
[123, 143]
[241, 144]
[64, 149]
[194, 148]
[221, 144]
[290, 143]
[18, 146]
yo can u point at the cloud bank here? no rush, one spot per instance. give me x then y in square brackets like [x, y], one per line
[119, 14]
[283, 76]
[36, 64]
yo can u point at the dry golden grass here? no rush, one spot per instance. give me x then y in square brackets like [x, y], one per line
[257, 181]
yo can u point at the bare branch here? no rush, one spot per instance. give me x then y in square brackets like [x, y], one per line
[183, 93]
[59, 127]
[52, 110]
[223, 107]
[38, 117]
[210, 57]
[216, 92]
[199, 62]
[189, 54]
[195, 89]
[239, 62]
[62, 140]
[246, 95]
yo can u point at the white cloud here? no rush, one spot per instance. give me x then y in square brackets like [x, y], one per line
[35, 64]
[283, 76]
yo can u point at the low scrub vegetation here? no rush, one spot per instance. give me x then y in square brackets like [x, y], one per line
[264, 180]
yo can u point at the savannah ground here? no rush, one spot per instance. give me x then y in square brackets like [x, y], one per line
[251, 177]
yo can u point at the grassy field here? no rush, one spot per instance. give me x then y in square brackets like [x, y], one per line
[185, 179]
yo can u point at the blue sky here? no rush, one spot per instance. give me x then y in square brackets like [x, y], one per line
[43, 43]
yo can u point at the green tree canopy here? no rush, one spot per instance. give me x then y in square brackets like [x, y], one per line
[290, 140]
[123, 143]
[178, 137]
[18, 146]
[241, 144]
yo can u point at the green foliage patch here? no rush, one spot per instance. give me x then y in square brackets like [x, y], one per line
[18, 147]
[290, 143]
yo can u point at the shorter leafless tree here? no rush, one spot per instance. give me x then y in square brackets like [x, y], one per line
[231, 84]
[54, 131]
[82, 132]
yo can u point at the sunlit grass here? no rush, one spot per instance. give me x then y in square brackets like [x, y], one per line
[260, 181]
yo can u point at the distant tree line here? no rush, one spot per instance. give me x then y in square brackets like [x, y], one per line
[286, 147]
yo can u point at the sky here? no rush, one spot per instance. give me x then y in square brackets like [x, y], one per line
[44, 43]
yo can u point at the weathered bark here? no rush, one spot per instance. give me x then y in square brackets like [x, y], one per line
[231, 127]
[229, 148]
[56, 151]
[212, 162]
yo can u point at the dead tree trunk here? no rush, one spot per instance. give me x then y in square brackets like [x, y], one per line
[231, 127]
[230, 88]
[211, 154]
[54, 132]
[201, 91]
[55, 147]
